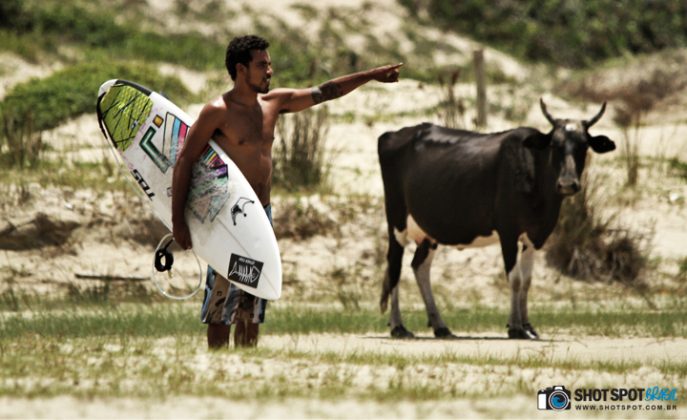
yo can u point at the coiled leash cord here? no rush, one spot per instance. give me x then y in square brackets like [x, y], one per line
[164, 259]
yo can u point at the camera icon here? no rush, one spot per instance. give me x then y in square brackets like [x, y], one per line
[553, 398]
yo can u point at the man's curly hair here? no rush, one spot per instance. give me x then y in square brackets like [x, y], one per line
[238, 51]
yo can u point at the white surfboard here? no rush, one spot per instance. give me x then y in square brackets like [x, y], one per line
[229, 227]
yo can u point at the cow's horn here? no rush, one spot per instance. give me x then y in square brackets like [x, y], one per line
[546, 113]
[596, 117]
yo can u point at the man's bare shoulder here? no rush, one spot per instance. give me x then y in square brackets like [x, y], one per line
[216, 105]
[213, 111]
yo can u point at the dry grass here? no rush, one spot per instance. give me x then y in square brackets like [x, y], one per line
[300, 160]
[20, 144]
[300, 219]
[36, 233]
[451, 109]
[586, 246]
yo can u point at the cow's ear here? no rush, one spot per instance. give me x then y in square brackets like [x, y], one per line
[537, 141]
[601, 144]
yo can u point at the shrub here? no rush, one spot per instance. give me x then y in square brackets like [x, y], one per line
[584, 246]
[574, 33]
[300, 220]
[678, 167]
[56, 23]
[72, 91]
[20, 144]
[451, 109]
[299, 158]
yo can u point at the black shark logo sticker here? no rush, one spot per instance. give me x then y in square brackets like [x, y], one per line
[244, 270]
[240, 208]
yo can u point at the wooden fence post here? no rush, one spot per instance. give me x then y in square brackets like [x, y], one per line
[480, 80]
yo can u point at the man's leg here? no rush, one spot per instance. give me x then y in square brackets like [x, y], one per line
[246, 334]
[247, 313]
[218, 336]
[213, 311]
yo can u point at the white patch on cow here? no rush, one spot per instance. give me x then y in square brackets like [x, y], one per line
[415, 232]
[412, 232]
[573, 126]
[401, 237]
[481, 241]
[526, 260]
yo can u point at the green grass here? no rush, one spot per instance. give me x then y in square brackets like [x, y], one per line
[73, 91]
[89, 349]
[83, 25]
[97, 176]
[152, 367]
[555, 32]
[173, 320]
[678, 167]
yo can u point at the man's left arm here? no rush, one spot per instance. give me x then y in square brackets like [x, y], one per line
[294, 100]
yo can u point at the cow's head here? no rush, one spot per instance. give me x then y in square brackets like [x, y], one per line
[568, 142]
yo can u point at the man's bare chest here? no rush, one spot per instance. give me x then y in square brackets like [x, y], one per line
[248, 128]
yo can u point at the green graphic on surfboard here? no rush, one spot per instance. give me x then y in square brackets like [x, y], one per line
[124, 111]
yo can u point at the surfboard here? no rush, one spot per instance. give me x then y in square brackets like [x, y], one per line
[229, 228]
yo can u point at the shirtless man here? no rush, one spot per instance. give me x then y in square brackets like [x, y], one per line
[242, 122]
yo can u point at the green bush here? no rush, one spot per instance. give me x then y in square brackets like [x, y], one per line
[569, 33]
[72, 91]
[55, 23]
[190, 50]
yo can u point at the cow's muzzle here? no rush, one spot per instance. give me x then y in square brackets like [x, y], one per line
[568, 186]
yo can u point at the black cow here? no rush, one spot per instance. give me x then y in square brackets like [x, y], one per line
[461, 188]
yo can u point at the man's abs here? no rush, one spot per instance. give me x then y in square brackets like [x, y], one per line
[255, 162]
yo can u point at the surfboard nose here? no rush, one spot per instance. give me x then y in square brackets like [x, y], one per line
[106, 86]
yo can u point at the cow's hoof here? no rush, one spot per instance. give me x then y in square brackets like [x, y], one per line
[401, 332]
[443, 332]
[531, 331]
[518, 334]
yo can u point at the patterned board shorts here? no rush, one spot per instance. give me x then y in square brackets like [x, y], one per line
[225, 303]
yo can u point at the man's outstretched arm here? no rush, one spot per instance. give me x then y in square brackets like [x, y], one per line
[294, 100]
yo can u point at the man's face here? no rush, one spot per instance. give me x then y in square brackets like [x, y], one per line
[260, 71]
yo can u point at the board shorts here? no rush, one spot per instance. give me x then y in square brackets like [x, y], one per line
[227, 304]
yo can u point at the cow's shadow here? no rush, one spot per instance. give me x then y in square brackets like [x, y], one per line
[457, 338]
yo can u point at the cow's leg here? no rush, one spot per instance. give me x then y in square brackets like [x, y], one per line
[390, 287]
[394, 259]
[525, 266]
[398, 330]
[509, 248]
[422, 263]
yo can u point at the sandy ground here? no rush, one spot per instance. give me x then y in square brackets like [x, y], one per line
[556, 348]
[186, 407]
[463, 378]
